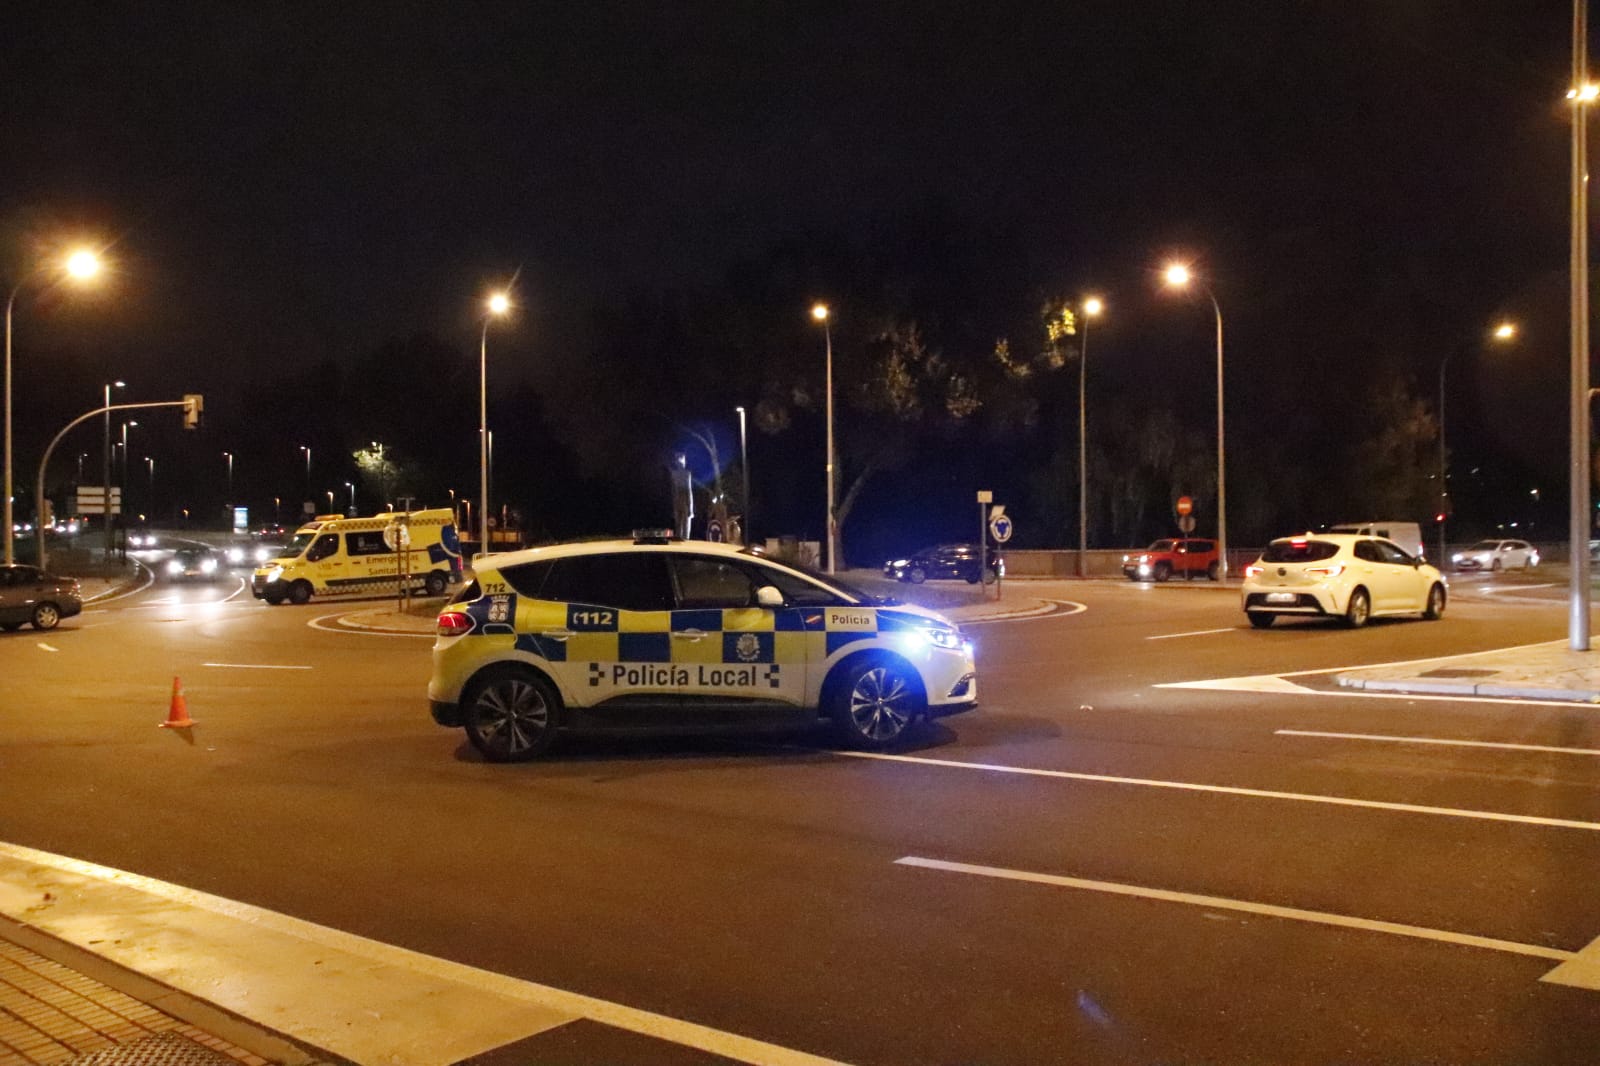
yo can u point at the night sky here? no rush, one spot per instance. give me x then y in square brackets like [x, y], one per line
[1362, 184]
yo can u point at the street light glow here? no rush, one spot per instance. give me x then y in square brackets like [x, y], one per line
[820, 312]
[1586, 94]
[1093, 306]
[1505, 331]
[83, 264]
[1177, 275]
[499, 303]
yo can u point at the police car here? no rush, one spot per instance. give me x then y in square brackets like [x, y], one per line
[656, 633]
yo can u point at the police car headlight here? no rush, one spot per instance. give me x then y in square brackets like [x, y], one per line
[262, 555]
[940, 637]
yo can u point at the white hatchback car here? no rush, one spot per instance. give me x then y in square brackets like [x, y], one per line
[1497, 555]
[1340, 575]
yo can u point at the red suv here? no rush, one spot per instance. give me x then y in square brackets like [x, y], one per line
[1167, 557]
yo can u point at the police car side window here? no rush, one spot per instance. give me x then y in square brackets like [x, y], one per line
[707, 583]
[633, 581]
[527, 579]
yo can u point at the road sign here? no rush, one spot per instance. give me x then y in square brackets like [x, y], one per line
[1186, 523]
[397, 534]
[1185, 507]
[714, 531]
[985, 496]
[92, 500]
[1000, 526]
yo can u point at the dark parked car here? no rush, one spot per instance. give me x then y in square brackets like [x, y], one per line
[28, 594]
[945, 561]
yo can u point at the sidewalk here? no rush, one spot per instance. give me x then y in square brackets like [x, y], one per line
[60, 1005]
[1550, 671]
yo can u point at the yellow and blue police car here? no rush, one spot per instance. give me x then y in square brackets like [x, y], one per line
[656, 633]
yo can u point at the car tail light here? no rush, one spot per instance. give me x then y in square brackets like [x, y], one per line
[1331, 570]
[1254, 570]
[454, 624]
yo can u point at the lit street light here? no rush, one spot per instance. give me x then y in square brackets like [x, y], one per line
[1178, 276]
[122, 480]
[1504, 333]
[820, 313]
[744, 470]
[307, 449]
[229, 457]
[498, 305]
[152, 464]
[105, 481]
[352, 489]
[1091, 309]
[79, 266]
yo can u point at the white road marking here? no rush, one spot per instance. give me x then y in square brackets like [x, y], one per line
[1343, 921]
[1068, 607]
[1231, 790]
[112, 594]
[1582, 971]
[47, 647]
[316, 623]
[313, 983]
[256, 666]
[1435, 740]
[1193, 633]
[1490, 590]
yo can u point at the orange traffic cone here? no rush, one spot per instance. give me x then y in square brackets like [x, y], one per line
[178, 715]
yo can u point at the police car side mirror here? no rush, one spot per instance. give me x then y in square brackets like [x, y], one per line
[768, 596]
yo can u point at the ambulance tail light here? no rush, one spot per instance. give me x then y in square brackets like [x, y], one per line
[454, 624]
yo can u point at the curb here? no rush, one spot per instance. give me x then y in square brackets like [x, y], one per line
[1446, 688]
[350, 621]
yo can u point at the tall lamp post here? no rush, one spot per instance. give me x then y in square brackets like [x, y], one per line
[1580, 522]
[1091, 309]
[497, 305]
[80, 266]
[1178, 276]
[744, 470]
[151, 463]
[352, 488]
[307, 449]
[105, 481]
[122, 480]
[229, 456]
[820, 313]
[1504, 333]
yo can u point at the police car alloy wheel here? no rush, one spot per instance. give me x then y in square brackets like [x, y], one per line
[510, 715]
[877, 703]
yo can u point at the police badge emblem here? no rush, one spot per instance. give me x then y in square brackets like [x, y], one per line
[748, 648]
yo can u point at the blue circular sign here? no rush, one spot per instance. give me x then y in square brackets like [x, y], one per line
[1000, 528]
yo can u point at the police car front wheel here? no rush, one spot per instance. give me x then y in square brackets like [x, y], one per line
[510, 714]
[877, 702]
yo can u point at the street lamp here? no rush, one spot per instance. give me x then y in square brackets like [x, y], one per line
[352, 489]
[79, 266]
[498, 305]
[1579, 521]
[105, 481]
[151, 463]
[122, 481]
[229, 457]
[820, 313]
[744, 469]
[1504, 332]
[307, 449]
[1178, 276]
[1091, 309]
[330, 499]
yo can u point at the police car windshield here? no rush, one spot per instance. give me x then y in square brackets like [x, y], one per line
[296, 546]
[833, 584]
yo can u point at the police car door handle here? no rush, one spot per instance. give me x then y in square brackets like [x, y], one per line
[689, 634]
[557, 634]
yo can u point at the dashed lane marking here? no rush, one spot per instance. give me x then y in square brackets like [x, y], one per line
[1570, 959]
[48, 647]
[256, 666]
[1231, 790]
[1435, 740]
[1194, 633]
[316, 984]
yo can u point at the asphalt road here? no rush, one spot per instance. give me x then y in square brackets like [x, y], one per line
[1082, 870]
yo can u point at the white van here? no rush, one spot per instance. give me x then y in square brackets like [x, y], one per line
[1406, 534]
[334, 554]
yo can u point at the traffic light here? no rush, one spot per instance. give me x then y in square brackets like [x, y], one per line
[193, 405]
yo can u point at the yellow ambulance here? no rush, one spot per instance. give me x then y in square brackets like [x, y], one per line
[333, 554]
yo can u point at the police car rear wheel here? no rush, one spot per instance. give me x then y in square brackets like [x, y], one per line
[510, 714]
[878, 702]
